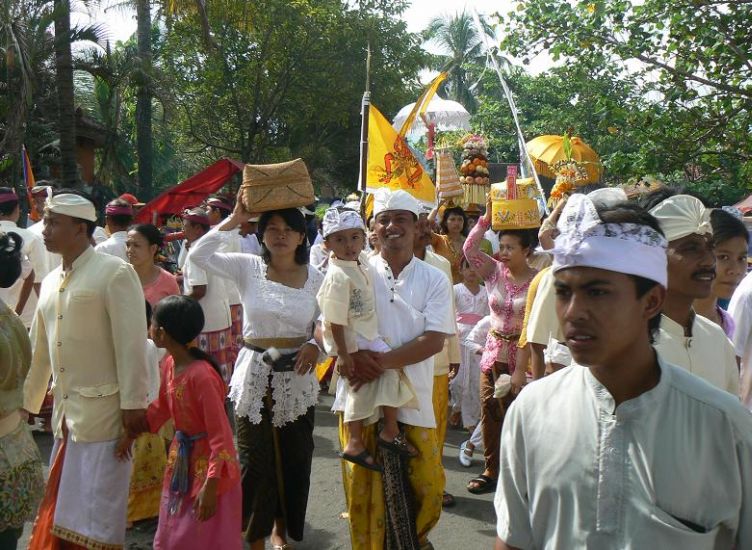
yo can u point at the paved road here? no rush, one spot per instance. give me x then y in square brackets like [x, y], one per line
[468, 526]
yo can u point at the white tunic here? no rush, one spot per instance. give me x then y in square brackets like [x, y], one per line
[270, 310]
[708, 353]
[115, 245]
[214, 303]
[740, 309]
[577, 473]
[417, 301]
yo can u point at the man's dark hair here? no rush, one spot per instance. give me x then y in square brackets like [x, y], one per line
[121, 221]
[654, 198]
[628, 212]
[7, 208]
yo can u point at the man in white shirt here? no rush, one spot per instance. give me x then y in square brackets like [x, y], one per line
[211, 292]
[118, 217]
[621, 449]
[413, 307]
[740, 309]
[249, 242]
[89, 332]
[686, 339]
[22, 295]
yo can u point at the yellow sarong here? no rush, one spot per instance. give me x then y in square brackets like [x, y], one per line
[364, 495]
[441, 408]
[149, 461]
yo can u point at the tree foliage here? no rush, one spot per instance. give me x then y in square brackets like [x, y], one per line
[689, 59]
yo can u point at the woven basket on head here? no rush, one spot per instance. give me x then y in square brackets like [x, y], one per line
[276, 186]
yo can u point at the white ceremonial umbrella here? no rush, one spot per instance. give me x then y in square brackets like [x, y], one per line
[444, 113]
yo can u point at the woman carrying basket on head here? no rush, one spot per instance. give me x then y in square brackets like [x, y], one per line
[273, 388]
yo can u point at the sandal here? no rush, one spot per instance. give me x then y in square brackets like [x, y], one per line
[362, 460]
[483, 485]
[466, 455]
[447, 500]
[399, 446]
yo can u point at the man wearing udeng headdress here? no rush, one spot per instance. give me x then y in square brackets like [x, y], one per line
[613, 451]
[88, 333]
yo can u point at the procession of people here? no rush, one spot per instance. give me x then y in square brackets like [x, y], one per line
[588, 355]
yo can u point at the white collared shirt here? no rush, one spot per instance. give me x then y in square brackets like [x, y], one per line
[708, 353]
[115, 245]
[417, 301]
[576, 472]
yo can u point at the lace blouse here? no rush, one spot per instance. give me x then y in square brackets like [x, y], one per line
[270, 310]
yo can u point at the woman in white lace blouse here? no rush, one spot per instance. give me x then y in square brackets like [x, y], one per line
[273, 402]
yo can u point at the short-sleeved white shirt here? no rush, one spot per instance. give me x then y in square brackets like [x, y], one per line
[417, 301]
[214, 303]
[115, 245]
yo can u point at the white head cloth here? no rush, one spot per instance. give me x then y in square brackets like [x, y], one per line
[339, 219]
[585, 241]
[385, 200]
[607, 196]
[682, 215]
[71, 205]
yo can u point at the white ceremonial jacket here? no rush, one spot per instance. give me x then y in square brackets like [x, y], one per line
[89, 333]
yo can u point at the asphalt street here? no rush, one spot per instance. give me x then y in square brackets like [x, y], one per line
[469, 525]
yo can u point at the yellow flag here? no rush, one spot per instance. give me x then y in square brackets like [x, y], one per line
[422, 104]
[391, 163]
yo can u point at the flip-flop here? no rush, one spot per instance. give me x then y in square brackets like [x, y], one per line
[361, 460]
[398, 445]
[483, 485]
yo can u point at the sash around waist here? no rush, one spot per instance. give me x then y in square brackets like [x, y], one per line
[279, 343]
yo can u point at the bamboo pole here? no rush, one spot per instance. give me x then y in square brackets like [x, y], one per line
[364, 114]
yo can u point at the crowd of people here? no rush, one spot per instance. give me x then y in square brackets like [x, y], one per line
[601, 363]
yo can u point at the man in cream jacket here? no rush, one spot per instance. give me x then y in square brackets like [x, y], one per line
[88, 333]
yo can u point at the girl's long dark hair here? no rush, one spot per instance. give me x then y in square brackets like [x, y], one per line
[182, 319]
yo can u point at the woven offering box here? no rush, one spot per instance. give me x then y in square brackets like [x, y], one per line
[511, 205]
[276, 186]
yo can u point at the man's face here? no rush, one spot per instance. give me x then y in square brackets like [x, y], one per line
[600, 314]
[423, 232]
[248, 228]
[214, 214]
[192, 231]
[60, 232]
[691, 266]
[396, 229]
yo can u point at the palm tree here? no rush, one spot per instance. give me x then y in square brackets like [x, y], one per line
[24, 42]
[144, 139]
[65, 94]
[460, 43]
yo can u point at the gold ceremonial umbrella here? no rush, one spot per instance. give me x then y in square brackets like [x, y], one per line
[545, 151]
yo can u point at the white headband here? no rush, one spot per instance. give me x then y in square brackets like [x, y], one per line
[682, 215]
[385, 200]
[340, 219]
[71, 205]
[585, 241]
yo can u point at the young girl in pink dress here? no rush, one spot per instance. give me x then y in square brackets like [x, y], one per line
[201, 496]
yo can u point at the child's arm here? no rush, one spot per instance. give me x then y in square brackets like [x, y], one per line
[344, 359]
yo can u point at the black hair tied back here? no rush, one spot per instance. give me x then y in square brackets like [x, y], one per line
[10, 258]
[182, 319]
